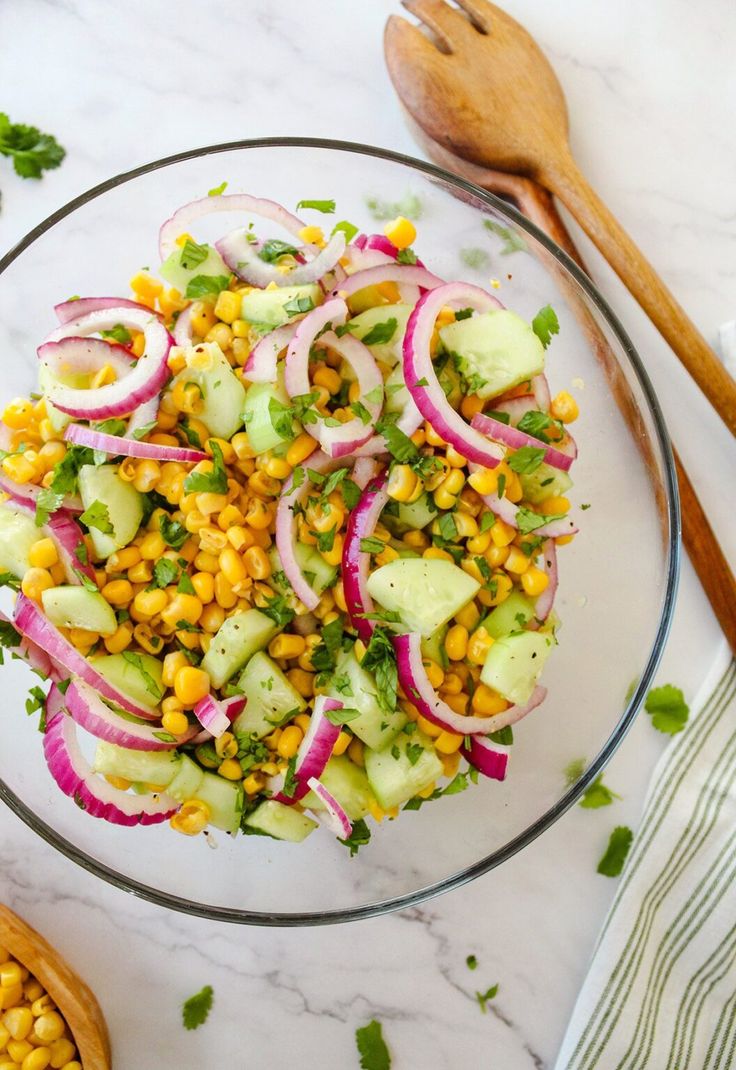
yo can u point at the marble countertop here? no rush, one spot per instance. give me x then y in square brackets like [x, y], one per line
[649, 90]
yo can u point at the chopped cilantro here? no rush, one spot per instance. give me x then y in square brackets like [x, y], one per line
[358, 838]
[324, 656]
[487, 520]
[118, 334]
[351, 493]
[545, 324]
[290, 784]
[298, 305]
[195, 1010]
[476, 259]
[360, 411]
[217, 191]
[278, 610]
[185, 585]
[325, 540]
[380, 659]
[272, 249]
[526, 460]
[414, 752]
[501, 485]
[172, 531]
[484, 997]
[98, 516]
[574, 770]
[527, 520]
[539, 424]
[471, 962]
[381, 333]
[615, 854]
[193, 254]
[371, 545]
[64, 482]
[341, 716]
[668, 709]
[348, 229]
[597, 794]
[326, 207]
[513, 242]
[406, 256]
[151, 686]
[282, 418]
[165, 572]
[202, 285]
[447, 526]
[214, 482]
[374, 1054]
[504, 736]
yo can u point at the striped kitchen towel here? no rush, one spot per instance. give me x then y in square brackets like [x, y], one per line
[661, 989]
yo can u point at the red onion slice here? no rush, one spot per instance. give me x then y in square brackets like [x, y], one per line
[143, 416]
[217, 715]
[67, 536]
[545, 601]
[90, 712]
[487, 758]
[333, 816]
[540, 389]
[92, 793]
[315, 750]
[392, 272]
[126, 394]
[429, 397]
[130, 447]
[181, 220]
[415, 682]
[364, 470]
[514, 438]
[32, 622]
[508, 512]
[262, 363]
[33, 655]
[81, 306]
[76, 356]
[286, 526]
[183, 330]
[356, 562]
[517, 407]
[241, 256]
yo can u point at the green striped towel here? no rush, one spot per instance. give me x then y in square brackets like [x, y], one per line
[661, 989]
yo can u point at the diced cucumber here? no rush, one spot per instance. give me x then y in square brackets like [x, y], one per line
[18, 533]
[124, 506]
[313, 565]
[157, 767]
[514, 664]
[451, 383]
[58, 419]
[374, 725]
[223, 395]
[224, 799]
[511, 616]
[270, 698]
[433, 647]
[175, 273]
[367, 298]
[280, 822]
[137, 675]
[396, 393]
[411, 515]
[348, 783]
[544, 482]
[268, 307]
[409, 766]
[186, 783]
[499, 349]
[391, 351]
[76, 607]
[237, 640]
[425, 592]
[262, 435]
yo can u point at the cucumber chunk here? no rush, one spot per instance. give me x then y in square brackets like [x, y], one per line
[267, 308]
[137, 675]
[415, 515]
[409, 766]
[270, 698]
[434, 647]
[499, 348]
[348, 783]
[223, 395]
[76, 607]
[262, 435]
[511, 616]
[514, 664]
[425, 592]
[280, 822]
[157, 767]
[224, 799]
[180, 276]
[58, 419]
[544, 482]
[313, 565]
[373, 725]
[124, 506]
[187, 780]
[389, 352]
[18, 533]
[237, 640]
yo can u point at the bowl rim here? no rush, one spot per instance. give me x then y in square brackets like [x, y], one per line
[673, 551]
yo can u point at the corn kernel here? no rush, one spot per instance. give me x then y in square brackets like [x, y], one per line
[564, 407]
[517, 561]
[228, 306]
[401, 232]
[534, 581]
[191, 819]
[191, 685]
[479, 643]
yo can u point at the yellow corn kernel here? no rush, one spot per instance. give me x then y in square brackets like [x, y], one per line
[257, 563]
[212, 619]
[141, 573]
[146, 638]
[203, 318]
[554, 506]
[35, 581]
[204, 586]
[564, 407]
[254, 783]
[302, 446]
[232, 566]
[471, 405]
[468, 617]
[342, 743]
[240, 538]
[445, 496]
[466, 525]
[455, 459]
[303, 682]
[45, 1003]
[229, 517]
[401, 232]
[289, 741]
[32, 989]
[517, 561]
[287, 646]
[325, 517]
[456, 642]
[502, 534]
[105, 375]
[226, 746]
[231, 769]
[434, 672]
[62, 1051]
[49, 1027]
[417, 540]
[312, 235]
[458, 703]
[503, 588]
[51, 452]
[149, 603]
[563, 540]
[19, 469]
[191, 684]
[241, 444]
[121, 638]
[146, 288]
[264, 486]
[328, 378]
[228, 306]
[497, 555]
[182, 607]
[43, 554]
[172, 663]
[152, 547]
[205, 562]
[479, 643]
[534, 581]
[437, 554]
[431, 436]
[448, 742]
[118, 592]
[221, 335]
[402, 483]
[175, 722]
[18, 414]
[123, 559]
[191, 818]
[356, 752]
[208, 503]
[19, 1022]
[225, 596]
[147, 475]
[386, 556]
[486, 702]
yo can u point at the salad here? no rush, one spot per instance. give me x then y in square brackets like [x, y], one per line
[282, 530]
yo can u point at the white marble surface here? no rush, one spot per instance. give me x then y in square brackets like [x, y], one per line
[651, 90]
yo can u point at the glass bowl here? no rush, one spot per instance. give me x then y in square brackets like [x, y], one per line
[617, 579]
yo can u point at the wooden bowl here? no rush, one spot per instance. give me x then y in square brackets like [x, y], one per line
[76, 1002]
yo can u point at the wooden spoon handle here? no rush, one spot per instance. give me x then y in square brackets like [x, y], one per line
[565, 180]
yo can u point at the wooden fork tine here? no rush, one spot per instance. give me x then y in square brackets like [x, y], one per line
[478, 12]
[404, 39]
[443, 20]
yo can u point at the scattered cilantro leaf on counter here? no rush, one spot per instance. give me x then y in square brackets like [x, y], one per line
[545, 324]
[668, 709]
[195, 1010]
[513, 242]
[98, 516]
[9, 637]
[381, 332]
[326, 207]
[484, 997]
[32, 152]
[374, 1055]
[613, 860]
[597, 794]
[471, 962]
[216, 191]
[359, 837]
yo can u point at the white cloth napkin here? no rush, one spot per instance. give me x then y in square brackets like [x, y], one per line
[661, 988]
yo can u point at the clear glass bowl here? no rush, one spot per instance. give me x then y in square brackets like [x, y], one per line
[617, 579]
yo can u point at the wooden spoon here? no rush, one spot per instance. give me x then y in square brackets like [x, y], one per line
[71, 995]
[483, 89]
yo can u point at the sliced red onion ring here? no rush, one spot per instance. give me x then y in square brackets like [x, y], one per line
[514, 438]
[286, 526]
[315, 749]
[364, 470]
[356, 562]
[28, 493]
[68, 537]
[82, 355]
[90, 712]
[545, 601]
[429, 397]
[130, 447]
[262, 362]
[333, 816]
[81, 306]
[517, 407]
[540, 389]
[393, 272]
[32, 622]
[241, 256]
[143, 416]
[487, 758]
[382, 244]
[183, 330]
[92, 793]
[126, 394]
[216, 715]
[180, 221]
[415, 682]
[33, 655]
[508, 512]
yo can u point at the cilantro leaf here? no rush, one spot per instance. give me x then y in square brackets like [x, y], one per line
[374, 1054]
[448, 527]
[282, 418]
[202, 285]
[409, 206]
[214, 482]
[326, 207]
[399, 445]
[185, 585]
[668, 709]
[526, 460]
[351, 493]
[539, 424]
[380, 659]
[32, 152]
[381, 333]
[118, 334]
[348, 229]
[513, 242]
[172, 531]
[574, 770]
[272, 249]
[165, 572]
[195, 1010]
[298, 305]
[151, 686]
[476, 259]
[97, 516]
[193, 254]
[216, 191]
[503, 736]
[613, 860]
[278, 610]
[597, 794]
[471, 962]
[324, 656]
[406, 256]
[64, 481]
[371, 544]
[359, 837]
[484, 997]
[545, 324]
[527, 520]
